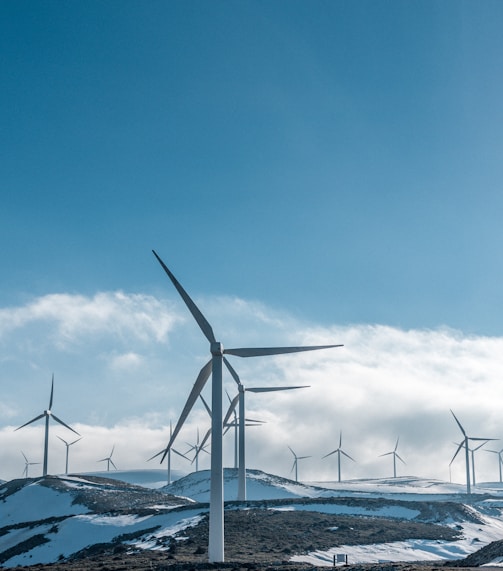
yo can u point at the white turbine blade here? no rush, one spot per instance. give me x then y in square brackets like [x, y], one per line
[206, 436]
[179, 454]
[24, 456]
[396, 445]
[329, 454]
[64, 424]
[461, 445]
[459, 424]
[206, 406]
[274, 389]
[264, 351]
[231, 409]
[163, 451]
[196, 313]
[233, 373]
[112, 462]
[111, 453]
[30, 421]
[52, 392]
[480, 445]
[480, 439]
[75, 441]
[403, 461]
[347, 456]
[303, 457]
[386, 454]
[203, 376]
[57, 435]
[292, 451]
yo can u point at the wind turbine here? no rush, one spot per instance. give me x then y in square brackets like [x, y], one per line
[500, 461]
[27, 463]
[197, 449]
[240, 398]
[169, 454]
[48, 414]
[68, 444]
[395, 456]
[339, 451]
[214, 367]
[296, 462]
[465, 443]
[109, 460]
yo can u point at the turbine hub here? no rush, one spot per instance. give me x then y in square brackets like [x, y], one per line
[217, 349]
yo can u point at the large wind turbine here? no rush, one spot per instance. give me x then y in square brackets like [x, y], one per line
[240, 398]
[27, 464]
[214, 366]
[466, 444]
[296, 463]
[395, 456]
[197, 448]
[339, 451]
[68, 444]
[48, 414]
[109, 460]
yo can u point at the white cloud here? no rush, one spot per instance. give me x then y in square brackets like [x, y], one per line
[124, 365]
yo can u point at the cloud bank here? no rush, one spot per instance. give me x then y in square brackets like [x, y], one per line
[125, 363]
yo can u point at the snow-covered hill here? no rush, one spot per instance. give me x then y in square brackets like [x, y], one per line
[47, 519]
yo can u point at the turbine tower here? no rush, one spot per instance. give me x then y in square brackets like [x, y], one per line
[395, 456]
[339, 451]
[214, 367]
[48, 414]
[68, 444]
[109, 460]
[27, 463]
[466, 444]
[240, 398]
[500, 461]
[296, 463]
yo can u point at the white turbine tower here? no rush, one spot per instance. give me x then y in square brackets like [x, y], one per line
[27, 464]
[500, 460]
[68, 444]
[48, 414]
[296, 463]
[339, 451]
[395, 456]
[109, 460]
[240, 398]
[214, 367]
[466, 444]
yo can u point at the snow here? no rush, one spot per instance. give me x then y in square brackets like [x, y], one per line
[77, 527]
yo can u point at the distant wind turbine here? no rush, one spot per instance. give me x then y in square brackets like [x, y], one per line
[109, 460]
[48, 414]
[296, 463]
[68, 444]
[240, 398]
[395, 456]
[339, 451]
[500, 460]
[214, 367]
[466, 444]
[27, 463]
[197, 448]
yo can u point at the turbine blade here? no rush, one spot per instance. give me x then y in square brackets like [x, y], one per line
[62, 440]
[386, 454]
[459, 424]
[347, 456]
[52, 392]
[292, 451]
[196, 313]
[329, 454]
[263, 351]
[30, 421]
[273, 389]
[461, 445]
[233, 373]
[179, 454]
[203, 376]
[206, 406]
[64, 424]
[231, 409]
[205, 439]
[112, 462]
[399, 458]
[24, 456]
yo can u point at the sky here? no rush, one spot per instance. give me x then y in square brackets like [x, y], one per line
[322, 172]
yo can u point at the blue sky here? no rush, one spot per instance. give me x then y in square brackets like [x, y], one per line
[335, 164]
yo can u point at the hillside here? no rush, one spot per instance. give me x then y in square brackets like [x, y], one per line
[82, 518]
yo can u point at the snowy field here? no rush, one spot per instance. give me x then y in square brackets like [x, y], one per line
[65, 516]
